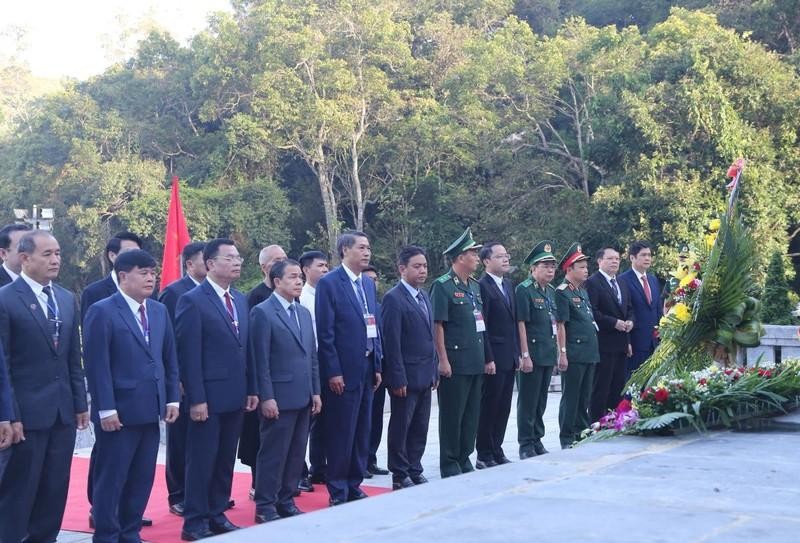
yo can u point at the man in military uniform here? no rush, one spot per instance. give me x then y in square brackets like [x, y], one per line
[538, 328]
[459, 336]
[577, 342]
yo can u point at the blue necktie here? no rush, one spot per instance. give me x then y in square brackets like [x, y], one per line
[362, 297]
[295, 318]
[616, 290]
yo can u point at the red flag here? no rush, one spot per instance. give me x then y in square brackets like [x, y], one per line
[175, 239]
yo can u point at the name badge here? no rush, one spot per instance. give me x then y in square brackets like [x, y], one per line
[480, 326]
[372, 326]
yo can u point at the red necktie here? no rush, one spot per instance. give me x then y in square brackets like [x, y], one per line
[647, 293]
[229, 307]
[143, 322]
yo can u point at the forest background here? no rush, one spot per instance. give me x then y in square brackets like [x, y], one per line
[288, 121]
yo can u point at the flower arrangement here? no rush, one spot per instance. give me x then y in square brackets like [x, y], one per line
[712, 311]
[710, 396]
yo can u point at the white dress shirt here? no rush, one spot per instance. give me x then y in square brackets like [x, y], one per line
[10, 273]
[37, 289]
[307, 297]
[608, 279]
[353, 278]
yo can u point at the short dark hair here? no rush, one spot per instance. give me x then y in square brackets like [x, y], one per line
[371, 268]
[115, 243]
[212, 248]
[278, 269]
[347, 240]
[308, 258]
[27, 243]
[602, 252]
[192, 249]
[407, 253]
[5, 233]
[136, 258]
[487, 250]
[636, 247]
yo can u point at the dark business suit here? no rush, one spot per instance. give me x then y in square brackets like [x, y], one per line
[409, 361]
[285, 357]
[502, 347]
[6, 409]
[5, 279]
[343, 347]
[214, 369]
[609, 376]
[250, 438]
[94, 292]
[137, 376]
[48, 390]
[176, 432]
[646, 317]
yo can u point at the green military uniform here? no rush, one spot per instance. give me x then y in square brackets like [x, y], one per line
[575, 311]
[454, 304]
[536, 307]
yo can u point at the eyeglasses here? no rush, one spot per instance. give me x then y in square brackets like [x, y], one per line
[502, 256]
[234, 259]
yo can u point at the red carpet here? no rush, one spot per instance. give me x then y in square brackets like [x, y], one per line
[166, 526]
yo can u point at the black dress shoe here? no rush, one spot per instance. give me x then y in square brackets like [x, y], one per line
[502, 460]
[196, 536]
[223, 528]
[375, 470]
[483, 464]
[231, 504]
[418, 479]
[539, 448]
[305, 485]
[397, 484]
[333, 502]
[526, 453]
[269, 516]
[356, 494]
[176, 509]
[146, 521]
[317, 479]
[291, 511]
[368, 475]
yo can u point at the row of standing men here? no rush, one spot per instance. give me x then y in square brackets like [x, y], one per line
[467, 339]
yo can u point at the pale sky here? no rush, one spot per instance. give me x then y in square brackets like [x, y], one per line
[80, 38]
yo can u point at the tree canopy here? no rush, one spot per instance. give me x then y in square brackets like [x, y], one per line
[289, 120]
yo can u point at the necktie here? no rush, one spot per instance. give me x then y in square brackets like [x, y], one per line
[144, 324]
[505, 293]
[229, 307]
[361, 294]
[52, 313]
[646, 285]
[421, 302]
[616, 290]
[294, 317]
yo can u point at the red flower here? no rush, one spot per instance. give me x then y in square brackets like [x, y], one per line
[696, 266]
[694, 284]
[662, 394]
[624, 406]
[647, 393]
[702, 381]
[680, 292]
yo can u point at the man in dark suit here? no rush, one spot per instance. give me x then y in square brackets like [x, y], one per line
[349, 360]
[41, 342]
[613, 313]
[378, 403]
[250, 439]
[107, 286]
[194, 273]
[6, 412]
[94, 292]
[9, 271]
[211, 327]
[646, 300]
[132, 371]
[410, 366]
[502, 355]
[285, 356]
[9, 238]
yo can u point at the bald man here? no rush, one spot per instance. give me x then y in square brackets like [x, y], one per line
[250, 438]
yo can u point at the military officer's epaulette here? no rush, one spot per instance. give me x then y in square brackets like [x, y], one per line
[444, 279]
[563, 286]
[527, 282]
[551, 287]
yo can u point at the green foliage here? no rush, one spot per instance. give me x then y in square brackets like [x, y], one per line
[776, 307]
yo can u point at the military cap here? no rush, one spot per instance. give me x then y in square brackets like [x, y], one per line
[543, 252]
[462, 244]
[572, 256]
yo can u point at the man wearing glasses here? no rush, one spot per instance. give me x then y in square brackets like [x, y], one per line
[211, 327]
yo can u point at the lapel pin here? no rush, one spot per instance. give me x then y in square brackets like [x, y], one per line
[33, 307]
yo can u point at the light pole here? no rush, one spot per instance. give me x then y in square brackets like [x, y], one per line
[41, 219]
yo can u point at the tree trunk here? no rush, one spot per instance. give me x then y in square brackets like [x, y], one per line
[325, 177]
